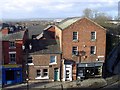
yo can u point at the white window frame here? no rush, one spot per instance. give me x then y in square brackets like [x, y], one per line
[94, 36]
[31, 60]
[42, 74]
[75, 36]
[76, 51]
[55, 60]
[12, 44]
[94, 50]
[10, 57]
[37, 73]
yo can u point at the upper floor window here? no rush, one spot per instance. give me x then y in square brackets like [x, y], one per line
[12, 57]
[74, 50]
[53, 59]
[93, 50]
[93, 36]
[12, 44]
[75, 36]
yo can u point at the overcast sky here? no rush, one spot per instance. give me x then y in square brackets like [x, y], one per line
[16, 9]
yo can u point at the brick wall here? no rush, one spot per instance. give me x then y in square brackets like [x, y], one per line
[84, 27]
[41, 61]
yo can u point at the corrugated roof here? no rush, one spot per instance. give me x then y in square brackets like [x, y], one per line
[13, 36]
[67, 22]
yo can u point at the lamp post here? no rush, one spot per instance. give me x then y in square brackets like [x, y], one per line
[26, 63]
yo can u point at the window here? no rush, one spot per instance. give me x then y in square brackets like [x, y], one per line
[42, 74]
[75, 50]
[93, 36]
[45, 72]
[38, 73]
[29, 60]
[12, 44]
[12, 57]
[93, 50]
[52, 59]
[75, 36]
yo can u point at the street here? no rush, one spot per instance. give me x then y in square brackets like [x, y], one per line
[115, 86]
[24, 86]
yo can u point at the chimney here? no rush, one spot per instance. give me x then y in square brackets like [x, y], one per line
[5, 31]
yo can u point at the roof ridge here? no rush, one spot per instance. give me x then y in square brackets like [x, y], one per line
[67, 22]
[94, 23]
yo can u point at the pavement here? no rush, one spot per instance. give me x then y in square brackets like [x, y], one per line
[88, 83]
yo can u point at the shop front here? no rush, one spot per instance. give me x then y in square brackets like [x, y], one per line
[89, 70]
[11, 74]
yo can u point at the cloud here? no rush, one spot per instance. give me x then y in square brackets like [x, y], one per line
[48, 7]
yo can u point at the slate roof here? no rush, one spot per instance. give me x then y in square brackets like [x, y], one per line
[67, 22]
[44, 46]
[13, 36]
[35, 30]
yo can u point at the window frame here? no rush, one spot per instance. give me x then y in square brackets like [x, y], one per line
[12, 44]
[10, 60]
[39, 73]
[94, 51]
[74, 52]
[75, 36]
[44, 73]
[93, 39]
[55, 60]
[42, 76]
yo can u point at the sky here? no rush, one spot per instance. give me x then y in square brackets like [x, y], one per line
[23, 9]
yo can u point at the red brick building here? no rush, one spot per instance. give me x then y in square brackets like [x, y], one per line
[44, 60]
[83, 45]
[12, 56]
[81, 53]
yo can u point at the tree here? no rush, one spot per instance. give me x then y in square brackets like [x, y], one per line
[88, 13]
[101, 18]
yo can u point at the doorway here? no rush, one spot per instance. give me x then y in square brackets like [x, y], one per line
[56, 74]
[68, 73]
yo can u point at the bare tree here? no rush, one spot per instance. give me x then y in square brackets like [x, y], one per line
[88, 13]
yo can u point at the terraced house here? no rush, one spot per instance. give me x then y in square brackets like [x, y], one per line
[12, 61]
[70, 50]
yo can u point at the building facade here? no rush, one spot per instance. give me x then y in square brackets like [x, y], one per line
[12, 61]
[77, 46]
[44, 60]
[83, 45]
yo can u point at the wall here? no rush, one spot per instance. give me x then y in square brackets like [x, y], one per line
[42, 61]
[84, 27]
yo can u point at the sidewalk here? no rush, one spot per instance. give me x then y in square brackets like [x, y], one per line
[15, 85]
[88, 83]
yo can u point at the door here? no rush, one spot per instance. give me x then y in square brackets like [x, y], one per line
[10, 77]
[18, 76]
[68, 72]
[56, 74]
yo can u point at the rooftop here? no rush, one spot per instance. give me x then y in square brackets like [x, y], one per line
[13, 36]
[44, 46]
[67, 22]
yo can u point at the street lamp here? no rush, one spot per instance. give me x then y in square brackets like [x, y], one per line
[27, 68]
